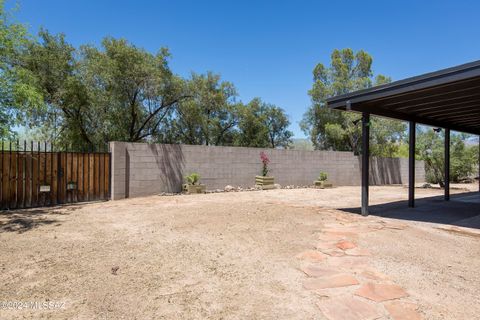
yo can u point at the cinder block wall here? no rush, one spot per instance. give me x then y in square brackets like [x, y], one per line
[140, 169]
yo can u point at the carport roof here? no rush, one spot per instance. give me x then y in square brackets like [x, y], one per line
[448, 98]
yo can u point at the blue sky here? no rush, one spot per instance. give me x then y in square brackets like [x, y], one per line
[269, 48]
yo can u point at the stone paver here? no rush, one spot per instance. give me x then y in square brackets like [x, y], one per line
[312, 255]
[324, 245]
[381, 292]
[319, 271]
[350, 263]
[343, 259]
[358, 252]
[402, 310]
[344, 245]
[334, 281]
[334, 252]
[348, 308]
[373, 274]
[341, 234]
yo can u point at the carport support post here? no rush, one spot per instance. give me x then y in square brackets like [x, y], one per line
[411, 165]
[365, 161]
[447, 164]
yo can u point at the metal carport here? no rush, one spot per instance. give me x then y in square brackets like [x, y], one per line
[448, 98]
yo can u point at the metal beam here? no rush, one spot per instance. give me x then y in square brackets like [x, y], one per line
[457, 93]
[447, 164]
[467, 72]
[411, 165]
[412, 117]
[365, 161]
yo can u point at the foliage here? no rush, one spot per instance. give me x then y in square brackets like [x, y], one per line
[333, 130]
[118, 92]
[193, 178]
[463, 159]
[323, 176]
[17, 96]
[265, 162]
[263, 125]
[209, 117]
[84, 97]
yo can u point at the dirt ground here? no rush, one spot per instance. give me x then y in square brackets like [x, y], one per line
[224, 256]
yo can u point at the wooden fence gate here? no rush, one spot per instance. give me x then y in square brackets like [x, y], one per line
[37, 178]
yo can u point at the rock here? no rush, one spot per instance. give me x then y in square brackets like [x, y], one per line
[319, 271]
[344, 245]
[229, 188]
[426, 186]
[348, 308]
[402, 310]
[218, 190]
[334, 281]
[381, 292]
[358, 252]
[277, 186]
[311, 255]
[114, 270]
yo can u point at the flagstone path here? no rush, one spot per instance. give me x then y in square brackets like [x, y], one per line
[340, 273]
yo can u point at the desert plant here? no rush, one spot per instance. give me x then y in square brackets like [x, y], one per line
[193, 178]
[265, 162]
[323, 176]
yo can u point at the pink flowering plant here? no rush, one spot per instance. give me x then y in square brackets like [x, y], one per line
[265, 162]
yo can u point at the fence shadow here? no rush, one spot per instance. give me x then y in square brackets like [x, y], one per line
[385, 171]
[462, 210]
[21, 221]
[170, 162]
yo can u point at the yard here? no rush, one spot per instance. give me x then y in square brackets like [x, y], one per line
[277, 254]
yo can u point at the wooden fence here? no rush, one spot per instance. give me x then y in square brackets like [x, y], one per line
[37, 178]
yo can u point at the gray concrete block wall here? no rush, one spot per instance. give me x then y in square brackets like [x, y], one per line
[140, 169]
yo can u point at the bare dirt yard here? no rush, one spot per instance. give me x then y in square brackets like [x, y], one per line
[277, 254]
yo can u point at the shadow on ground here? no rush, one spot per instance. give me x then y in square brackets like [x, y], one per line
[21, 221]
[462, 210]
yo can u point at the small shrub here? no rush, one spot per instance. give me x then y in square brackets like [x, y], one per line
[265, 162]
[193, 178]
[323, 176]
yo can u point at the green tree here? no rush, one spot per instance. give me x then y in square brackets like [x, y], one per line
[430, 148]
[333, 130]
[17, 96]
[252, 130]
[133, 89]
[208, 117]
[263, 125]
[117, 92]
[277, 124]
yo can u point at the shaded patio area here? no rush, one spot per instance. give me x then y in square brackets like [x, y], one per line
[447, 99]
[462, 210]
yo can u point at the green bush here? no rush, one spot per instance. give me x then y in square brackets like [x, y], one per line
[463, 158]
[323, 176]
[193, 178]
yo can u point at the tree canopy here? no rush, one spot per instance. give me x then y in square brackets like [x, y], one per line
[84, 97]
[334, 130]
[17, 96]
